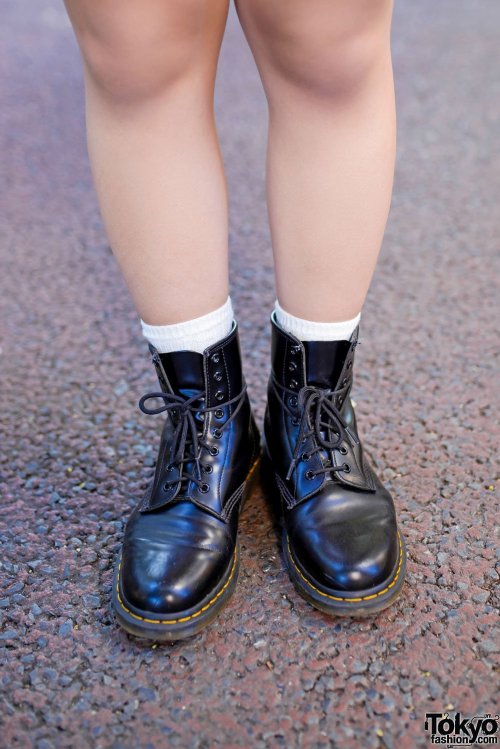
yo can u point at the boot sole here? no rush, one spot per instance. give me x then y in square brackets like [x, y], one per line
[335, 603]
[187, 623]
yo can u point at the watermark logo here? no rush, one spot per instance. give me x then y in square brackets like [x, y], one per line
[455, 730]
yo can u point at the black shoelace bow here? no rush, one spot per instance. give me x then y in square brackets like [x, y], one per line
[186, 434]
[319, 418]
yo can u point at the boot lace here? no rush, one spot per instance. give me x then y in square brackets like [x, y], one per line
[187, 441]
[319, 419]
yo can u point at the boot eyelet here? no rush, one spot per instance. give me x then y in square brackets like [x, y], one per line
[293, 401]
[292, 366]
[208, 469]
[295, 349]
[343, 450]
[215, 358]
[169, 468]
[295, 421]
[214, 451]
[219, 395]
[219, 413]
[309, 475]
[293, 384]
[344, 382]
[346, 468]
[349, 364]
[217, 434]
[218, 376]
[166, 487]
[204, 488]
[305, 457]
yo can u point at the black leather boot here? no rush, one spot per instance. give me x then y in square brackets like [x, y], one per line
[341, 543]
[179, 561]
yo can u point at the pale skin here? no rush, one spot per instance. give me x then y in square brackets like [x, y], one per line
[325, 65]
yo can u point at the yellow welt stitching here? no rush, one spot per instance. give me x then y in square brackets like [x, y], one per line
[352, 600]
[197, 613]
[252, 469]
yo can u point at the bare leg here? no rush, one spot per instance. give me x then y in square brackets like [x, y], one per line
[326, 68]
[149, 75]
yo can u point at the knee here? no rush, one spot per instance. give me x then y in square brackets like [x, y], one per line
[130, 62]
[326, 49]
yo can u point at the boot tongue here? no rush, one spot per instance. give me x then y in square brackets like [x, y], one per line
[184, 370]
[324, 362]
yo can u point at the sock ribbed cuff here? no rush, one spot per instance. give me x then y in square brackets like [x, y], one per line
[192, 335]
[308, 330]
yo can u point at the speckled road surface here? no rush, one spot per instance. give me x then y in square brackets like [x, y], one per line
[76, 452]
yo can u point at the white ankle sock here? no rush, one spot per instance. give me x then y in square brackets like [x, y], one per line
[307, 330]
[192, 335]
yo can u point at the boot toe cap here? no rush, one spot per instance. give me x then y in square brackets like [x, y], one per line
[172, 561]
[345, 552]
[170, 581]
[349, 567]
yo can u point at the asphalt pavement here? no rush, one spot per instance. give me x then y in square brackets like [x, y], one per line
[76, 452]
